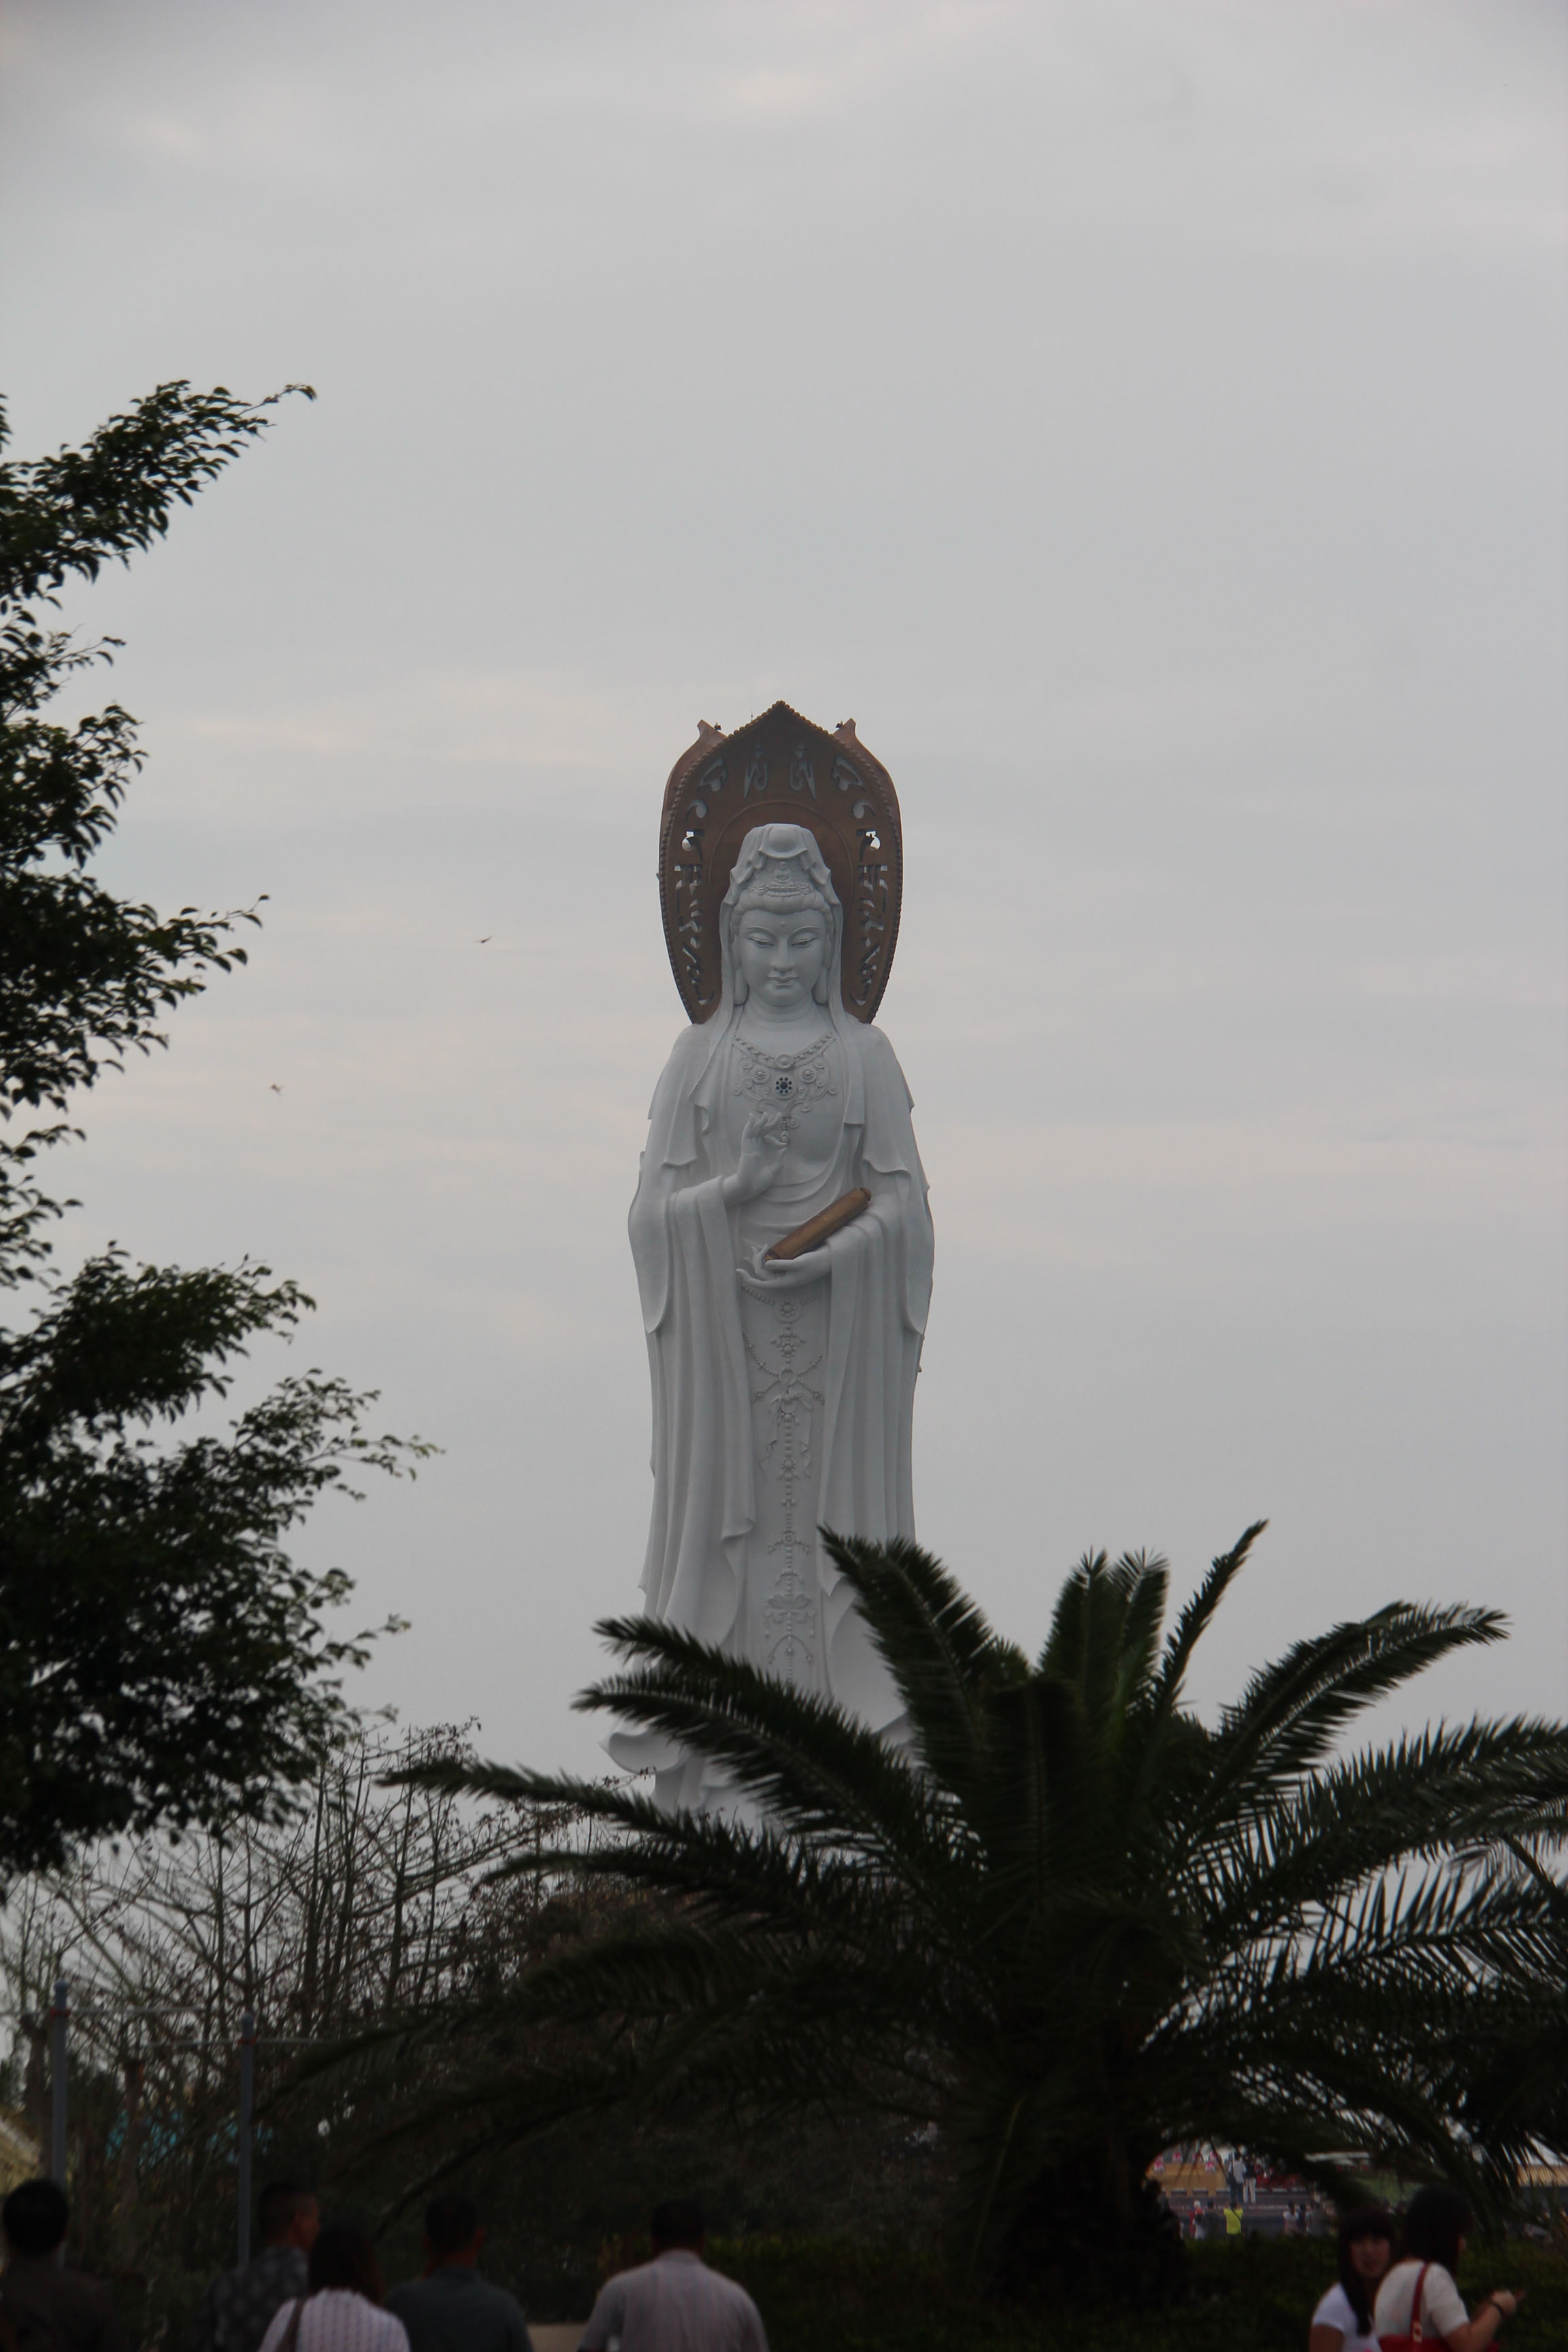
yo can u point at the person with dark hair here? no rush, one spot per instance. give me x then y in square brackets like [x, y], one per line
[1421, 2283]
[341, 2311]
[674, 2304]
[236, 2310]
[452, 2308]
[1342, 2321]
[40, 2303]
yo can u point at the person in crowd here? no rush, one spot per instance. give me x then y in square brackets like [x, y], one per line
[236, 2310]
[452, 2308]
[1342, 2321]
[340, 2310]
[674, 2304]
[1422, 2281]
[40, 2303]
[1234, 2224]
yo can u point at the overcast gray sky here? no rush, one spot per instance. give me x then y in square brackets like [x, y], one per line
[1146, 418]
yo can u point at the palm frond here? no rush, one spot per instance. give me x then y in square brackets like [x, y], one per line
[1105, 1629]
[1291, 1712]
[941, 1653]
[1197, 1616]
[1440, 1794]
[801, 1758]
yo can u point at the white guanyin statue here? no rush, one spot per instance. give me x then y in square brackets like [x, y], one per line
[783, 1391]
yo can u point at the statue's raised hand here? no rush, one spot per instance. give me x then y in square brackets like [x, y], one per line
[764, 1139]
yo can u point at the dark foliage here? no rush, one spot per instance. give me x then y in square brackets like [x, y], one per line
[1257, 2297]
[161, 1656]
[893, 2296]
[83, 975]
[1071, 1924]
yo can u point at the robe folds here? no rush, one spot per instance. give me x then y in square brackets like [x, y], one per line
[706, 1569]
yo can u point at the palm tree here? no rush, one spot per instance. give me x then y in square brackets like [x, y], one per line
[1064, 1921]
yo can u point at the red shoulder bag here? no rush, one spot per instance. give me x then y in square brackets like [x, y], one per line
[1416, 2336]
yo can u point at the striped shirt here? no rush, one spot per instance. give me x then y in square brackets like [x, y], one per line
[338, 2320]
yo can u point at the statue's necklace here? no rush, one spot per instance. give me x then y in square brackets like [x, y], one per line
[786, 1082]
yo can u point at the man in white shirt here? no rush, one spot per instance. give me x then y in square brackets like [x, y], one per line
[674, 2304]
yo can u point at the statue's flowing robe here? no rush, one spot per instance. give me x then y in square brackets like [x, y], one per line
[688, 1244]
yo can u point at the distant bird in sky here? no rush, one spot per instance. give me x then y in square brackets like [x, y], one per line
[275, 1088]
[486, 941]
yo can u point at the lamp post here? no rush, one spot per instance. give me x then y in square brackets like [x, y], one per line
[247, 2109]
[59, 2017]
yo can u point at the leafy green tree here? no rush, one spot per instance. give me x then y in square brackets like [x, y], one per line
[1066, 1922]
[162, 1656]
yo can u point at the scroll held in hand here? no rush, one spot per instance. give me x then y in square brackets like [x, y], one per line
[816, 1229]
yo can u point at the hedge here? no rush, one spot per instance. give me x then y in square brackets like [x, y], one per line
[1257, 2295]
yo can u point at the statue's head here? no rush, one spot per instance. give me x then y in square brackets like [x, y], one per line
[782, 919]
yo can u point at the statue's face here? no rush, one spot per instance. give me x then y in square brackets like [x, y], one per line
[782, 955]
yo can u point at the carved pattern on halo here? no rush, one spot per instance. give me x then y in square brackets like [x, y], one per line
[687, 867]
[870, 916]
[780, 763]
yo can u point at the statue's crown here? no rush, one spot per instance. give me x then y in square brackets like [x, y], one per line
[778, 863]
[782, 879]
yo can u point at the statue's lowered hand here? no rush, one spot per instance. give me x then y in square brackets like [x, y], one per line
[786, 1272]
[804, 1253]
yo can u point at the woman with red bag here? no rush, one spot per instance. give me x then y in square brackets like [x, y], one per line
[1418, 2302]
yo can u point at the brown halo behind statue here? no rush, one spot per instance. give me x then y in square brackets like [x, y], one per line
[780, 769]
